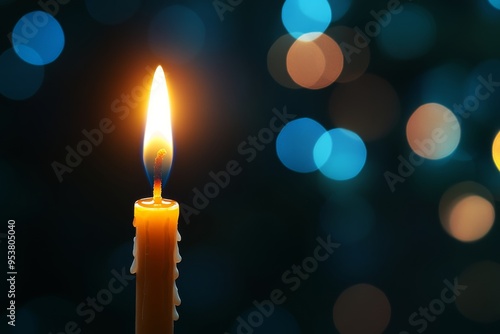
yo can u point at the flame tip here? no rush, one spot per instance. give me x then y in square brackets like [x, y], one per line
[159, 68]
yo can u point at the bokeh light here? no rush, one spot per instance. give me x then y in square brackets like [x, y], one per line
[495, 151]
[38, 38]
[295, 144]
[177, 34]
[495, 3]
[276, 61]
[305, 63]
[340, 154]
[18, 80]
[334, 61]
[305, 16]
[410, 33]
[471, 218]
[339, 8]
[368, 106]
[270, 321]
[112, 12]
[479, 301]
[466, 211]
[349, 218]
[314, 63]
[356, 60]
[433, 131]
[362, 308]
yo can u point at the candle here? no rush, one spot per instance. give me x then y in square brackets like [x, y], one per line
[156, 253]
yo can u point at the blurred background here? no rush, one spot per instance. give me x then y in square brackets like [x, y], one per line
[363, 132]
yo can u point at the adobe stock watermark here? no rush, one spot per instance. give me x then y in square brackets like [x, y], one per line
[292, 279]
[223, 6]
[372, 29]
[121, 108]
[420, 320]
[93, 305]
[11, 272]
[248, 149]
[39, 20]
[407, 166]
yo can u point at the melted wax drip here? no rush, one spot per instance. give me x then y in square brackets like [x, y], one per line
[177, 259]
[133, 267]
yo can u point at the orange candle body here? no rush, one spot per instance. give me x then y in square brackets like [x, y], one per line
[156, 255]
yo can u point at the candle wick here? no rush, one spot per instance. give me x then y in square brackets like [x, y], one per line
[157, 176]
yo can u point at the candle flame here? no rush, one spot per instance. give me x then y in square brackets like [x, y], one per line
[158, 133]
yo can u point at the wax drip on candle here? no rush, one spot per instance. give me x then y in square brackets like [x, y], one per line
[177, 259]
[157, 177]
[133, 267]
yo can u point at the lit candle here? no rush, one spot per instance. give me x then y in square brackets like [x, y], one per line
[156, 253]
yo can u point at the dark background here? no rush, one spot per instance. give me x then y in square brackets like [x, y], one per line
[71, 235]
